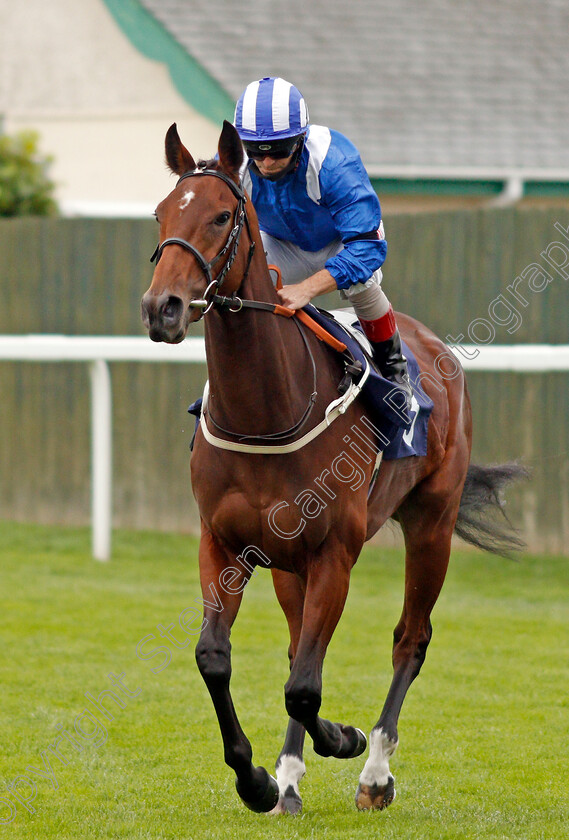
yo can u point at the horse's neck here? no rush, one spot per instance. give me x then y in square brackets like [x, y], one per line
[259, 376]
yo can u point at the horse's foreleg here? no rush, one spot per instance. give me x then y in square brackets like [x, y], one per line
[257, 789]
[326, 591]
[427, 555]
[290, 767]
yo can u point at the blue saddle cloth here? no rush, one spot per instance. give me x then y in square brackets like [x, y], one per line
[384, 404]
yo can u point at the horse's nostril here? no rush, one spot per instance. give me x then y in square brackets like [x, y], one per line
[172, 309]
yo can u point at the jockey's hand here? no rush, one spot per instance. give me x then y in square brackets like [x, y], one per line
[298, 295]
[295, 296]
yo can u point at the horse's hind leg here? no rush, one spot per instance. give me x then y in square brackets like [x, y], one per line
[427, 525]
[290, 767]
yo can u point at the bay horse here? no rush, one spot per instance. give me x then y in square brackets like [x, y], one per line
[271, 382]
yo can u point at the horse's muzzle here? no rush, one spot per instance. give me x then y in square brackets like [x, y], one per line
[164, 316]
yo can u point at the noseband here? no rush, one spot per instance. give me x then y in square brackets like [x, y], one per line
[230, 247]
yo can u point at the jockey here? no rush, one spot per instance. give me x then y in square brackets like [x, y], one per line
[319, 216]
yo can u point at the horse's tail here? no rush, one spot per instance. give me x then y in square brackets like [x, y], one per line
[483, 496]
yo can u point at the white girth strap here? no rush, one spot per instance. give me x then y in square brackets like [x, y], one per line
[334, 410]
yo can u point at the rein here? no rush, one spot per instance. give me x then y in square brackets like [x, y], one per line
[287, 433]
[235, 304]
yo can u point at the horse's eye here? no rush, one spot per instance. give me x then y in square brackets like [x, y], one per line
[222, 219]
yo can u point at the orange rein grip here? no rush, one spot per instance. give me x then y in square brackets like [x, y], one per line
[278, 272]
[284, 311]
[319, 331]
[309, 322]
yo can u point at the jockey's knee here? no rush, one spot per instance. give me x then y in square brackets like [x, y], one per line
[368, 299]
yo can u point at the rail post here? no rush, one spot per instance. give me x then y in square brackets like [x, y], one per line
[101, 458]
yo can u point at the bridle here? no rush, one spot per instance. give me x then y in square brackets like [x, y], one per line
[211, 298]
[230, 248]
[236, 304]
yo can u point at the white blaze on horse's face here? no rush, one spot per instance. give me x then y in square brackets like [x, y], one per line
[186, 198]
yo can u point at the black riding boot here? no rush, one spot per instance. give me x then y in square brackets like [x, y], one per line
[392, 364]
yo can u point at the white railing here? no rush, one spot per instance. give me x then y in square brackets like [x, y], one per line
[98, 351]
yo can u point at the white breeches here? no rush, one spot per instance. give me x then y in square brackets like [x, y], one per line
[368, 299]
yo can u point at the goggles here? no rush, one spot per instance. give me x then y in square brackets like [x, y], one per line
[276, 149]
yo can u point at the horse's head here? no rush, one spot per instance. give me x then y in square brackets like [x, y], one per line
[201, 222]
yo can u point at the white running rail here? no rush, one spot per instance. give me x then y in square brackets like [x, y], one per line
[98, 351]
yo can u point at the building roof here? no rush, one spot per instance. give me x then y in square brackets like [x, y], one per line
[481, 83]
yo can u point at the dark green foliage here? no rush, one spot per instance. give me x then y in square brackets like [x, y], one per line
[25, 187]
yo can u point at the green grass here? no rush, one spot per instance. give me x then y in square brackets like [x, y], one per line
[483, 734]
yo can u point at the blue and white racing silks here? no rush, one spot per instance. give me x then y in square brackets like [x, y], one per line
[328, 197]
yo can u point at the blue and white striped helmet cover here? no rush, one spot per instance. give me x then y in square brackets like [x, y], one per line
[270, 109]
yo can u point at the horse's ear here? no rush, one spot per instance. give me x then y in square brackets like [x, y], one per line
[230, 150]
[178, 158]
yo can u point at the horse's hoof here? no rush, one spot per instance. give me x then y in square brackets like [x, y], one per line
[290, 803]
[267, 797]
[361, 743]
[354, 742]
[375, 797]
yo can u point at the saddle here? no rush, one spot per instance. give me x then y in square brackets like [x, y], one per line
[340, 330]
[381, 398]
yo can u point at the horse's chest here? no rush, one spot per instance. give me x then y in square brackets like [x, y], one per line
[284, 507]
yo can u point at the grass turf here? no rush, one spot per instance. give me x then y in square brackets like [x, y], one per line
[483, 732]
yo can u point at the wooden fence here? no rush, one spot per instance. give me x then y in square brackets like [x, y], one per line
[451, 270]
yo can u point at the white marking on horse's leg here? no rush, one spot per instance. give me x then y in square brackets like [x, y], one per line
[290, 770]
[186, 198]
[376, 768]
